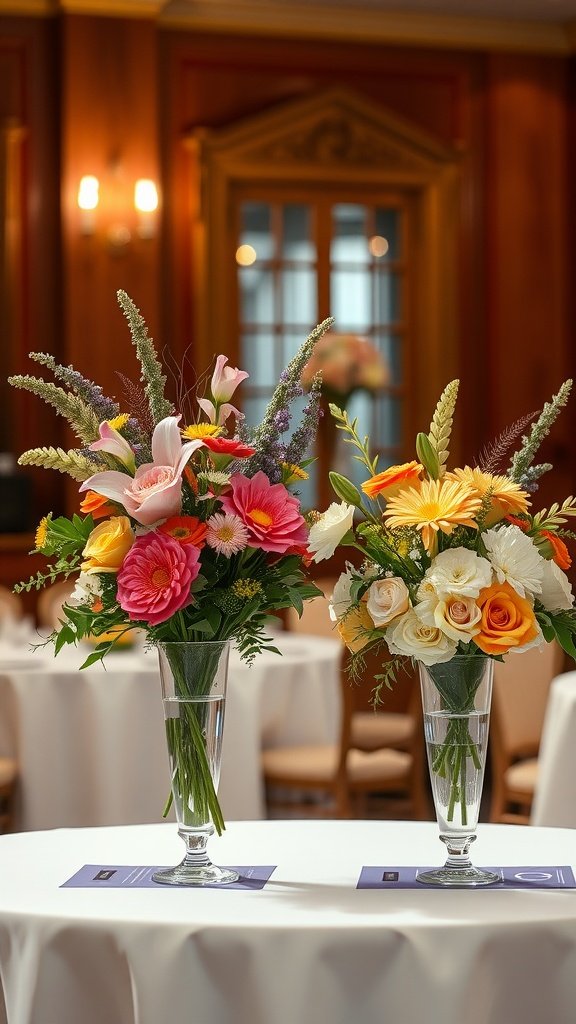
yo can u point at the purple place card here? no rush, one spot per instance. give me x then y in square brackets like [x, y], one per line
[531, 877]
[126, 876]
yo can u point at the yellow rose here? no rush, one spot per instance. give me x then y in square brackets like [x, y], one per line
[353, 627]
[507, 620]
[108, 545]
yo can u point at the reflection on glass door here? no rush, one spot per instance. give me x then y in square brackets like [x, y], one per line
[299, 262]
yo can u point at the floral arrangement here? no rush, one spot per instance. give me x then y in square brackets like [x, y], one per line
[190, 531]
[347, 363]
[455, 565]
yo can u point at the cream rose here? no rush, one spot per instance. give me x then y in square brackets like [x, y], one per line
[459, 571]
[457, 616]
[326, 534]
[387, 599]
[410, 636]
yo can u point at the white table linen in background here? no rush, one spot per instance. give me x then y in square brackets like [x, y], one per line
[91, 748]
[555, 796]
[308, 949]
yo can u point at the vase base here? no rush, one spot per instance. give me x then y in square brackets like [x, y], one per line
[201, 874]
[463, 877]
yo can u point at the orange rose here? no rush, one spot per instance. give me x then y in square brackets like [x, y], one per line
[393, 480]
[96, 505]
[353, 628]
[560, 552]
[507, 620]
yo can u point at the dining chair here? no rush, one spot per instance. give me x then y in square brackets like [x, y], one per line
[8, 778]
[50, 602]
[520, 692]
[11, 606]
[343, 775]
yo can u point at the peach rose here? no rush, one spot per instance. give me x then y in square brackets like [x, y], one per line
[108, 545]
[507, 621]
[393, 480]
[353, 628]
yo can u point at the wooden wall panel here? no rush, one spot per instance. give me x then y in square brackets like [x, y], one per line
[527, 201]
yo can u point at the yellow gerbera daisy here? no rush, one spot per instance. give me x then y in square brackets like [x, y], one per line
[117, 422]
[196, 431]
[41, 531]
[506, 497]
[436, 505]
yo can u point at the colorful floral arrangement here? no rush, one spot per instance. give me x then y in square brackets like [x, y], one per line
[187, 530]
[455, 566]
[347, 363]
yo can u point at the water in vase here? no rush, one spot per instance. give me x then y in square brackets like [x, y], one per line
[456, 748]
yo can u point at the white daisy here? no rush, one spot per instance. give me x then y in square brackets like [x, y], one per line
[515, 559]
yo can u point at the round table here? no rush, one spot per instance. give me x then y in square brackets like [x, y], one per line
[555, 796]
[307, 949]
[90, 744]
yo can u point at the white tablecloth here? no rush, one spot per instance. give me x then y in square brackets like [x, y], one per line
[555, 797]
[91, 747]
[308, 949]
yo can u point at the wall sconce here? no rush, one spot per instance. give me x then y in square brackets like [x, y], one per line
[146, 204]
[88, 199]
[119, 234]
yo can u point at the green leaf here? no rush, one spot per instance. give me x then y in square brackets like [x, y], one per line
[428, 457]
[564, 636]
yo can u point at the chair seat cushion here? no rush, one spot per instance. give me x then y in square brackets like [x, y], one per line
[522, 777]
[319, 764]
[8, 771]
[370, 730]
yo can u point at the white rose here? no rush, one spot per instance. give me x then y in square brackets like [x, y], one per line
[340, 599]
[459, 571]
[457, 616]
[387, 599]
[326, 534]
[556, 592]
[410, 636]
[88, 586]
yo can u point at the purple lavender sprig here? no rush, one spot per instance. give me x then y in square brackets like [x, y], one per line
[103, 407]
[303, 437]
[266, 438]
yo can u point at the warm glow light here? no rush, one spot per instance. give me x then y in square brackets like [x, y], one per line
[88, 192]
[378, 246]
[245, 255]
[145, 195]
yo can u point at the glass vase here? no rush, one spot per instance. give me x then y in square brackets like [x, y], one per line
[194, 678]
[456, 698]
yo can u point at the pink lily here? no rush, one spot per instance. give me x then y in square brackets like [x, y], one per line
[219, 415]
[155, 491]
[112, 442]
[225, 380]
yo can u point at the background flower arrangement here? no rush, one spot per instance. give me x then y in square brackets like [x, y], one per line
[188, 531]
[347, 363]
[456, 568]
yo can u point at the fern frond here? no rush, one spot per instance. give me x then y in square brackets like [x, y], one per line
[80, 416]
[72, 462]
[441, 426]
[152, 375]
[492, 455]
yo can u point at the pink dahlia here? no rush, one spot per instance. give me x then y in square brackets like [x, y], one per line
[270, 513]
[155, 578]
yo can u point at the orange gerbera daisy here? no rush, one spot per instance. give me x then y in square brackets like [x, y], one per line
[393, 480]
[505, 496]
[436, 505]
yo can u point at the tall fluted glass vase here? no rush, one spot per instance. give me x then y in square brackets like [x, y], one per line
[456, 697]
[194, 678]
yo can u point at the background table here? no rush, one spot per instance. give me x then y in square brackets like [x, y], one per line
[308, 949]
[555, 796]
[91, 747]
